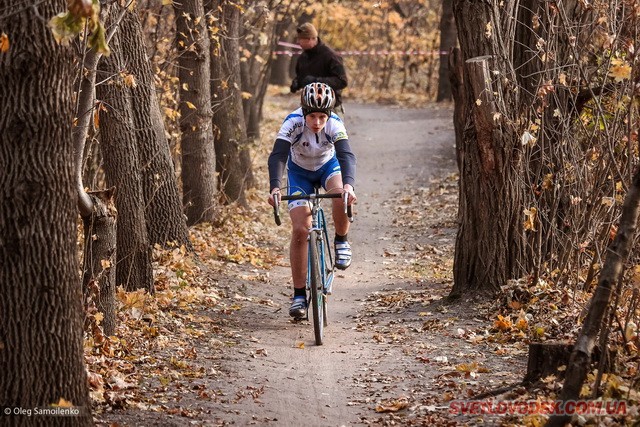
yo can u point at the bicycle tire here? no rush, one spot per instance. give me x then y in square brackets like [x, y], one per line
[326, 260]
[325, 318]
[325, 235]
[327, 257]
[317, 295]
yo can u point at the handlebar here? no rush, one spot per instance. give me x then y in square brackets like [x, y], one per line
[277, 197]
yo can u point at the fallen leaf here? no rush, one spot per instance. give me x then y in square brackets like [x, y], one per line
[393, 406]
[502, 323]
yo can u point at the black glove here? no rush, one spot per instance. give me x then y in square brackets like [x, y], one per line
[294, 86]
[309, 79]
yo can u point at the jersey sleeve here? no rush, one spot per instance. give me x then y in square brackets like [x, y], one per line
[276, 162]
[347, 161]
[291, 124]
[345, 155]
[337, 130]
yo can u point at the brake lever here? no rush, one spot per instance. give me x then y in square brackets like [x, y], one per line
[276, 208]
[347, 207]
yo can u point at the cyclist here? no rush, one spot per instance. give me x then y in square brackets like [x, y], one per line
[314, 145]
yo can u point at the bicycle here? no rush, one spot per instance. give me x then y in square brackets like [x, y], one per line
[320, 266]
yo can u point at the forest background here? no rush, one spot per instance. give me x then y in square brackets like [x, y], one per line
[546, 135]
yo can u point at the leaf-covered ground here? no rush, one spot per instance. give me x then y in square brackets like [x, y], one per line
[482, 350]
[177, 355]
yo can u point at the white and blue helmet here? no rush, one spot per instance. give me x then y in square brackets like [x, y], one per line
[317, 97]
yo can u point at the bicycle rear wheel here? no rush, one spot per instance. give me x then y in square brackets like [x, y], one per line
[316, 285]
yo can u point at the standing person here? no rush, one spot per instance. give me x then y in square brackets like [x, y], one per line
[314, 145]
[318, 63]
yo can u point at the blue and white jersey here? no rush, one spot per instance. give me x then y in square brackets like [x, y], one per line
[309, 150]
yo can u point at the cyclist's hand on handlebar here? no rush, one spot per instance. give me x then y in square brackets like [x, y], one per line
[274, 193]
[352, 195]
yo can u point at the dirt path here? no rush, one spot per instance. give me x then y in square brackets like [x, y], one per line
[327, 385]
[394, 353]
[215, 346]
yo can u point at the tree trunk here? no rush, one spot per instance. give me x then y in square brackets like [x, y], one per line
[41, 347]
[84, 115]
[490, 240]
[231, 143]
[448, 41]
[280, 64]
[280, 70]
[164, 218]
[456, 79]
[99, 278]
[234, 19]
[122, 171]
[545, 359]
[256, 69]
[617, 254]
[249, 105]
[198, 152]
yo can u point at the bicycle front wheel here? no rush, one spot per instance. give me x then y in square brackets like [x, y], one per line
[317, 295]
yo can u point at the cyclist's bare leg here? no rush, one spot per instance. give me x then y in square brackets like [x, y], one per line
[300, 224]
[340, 220]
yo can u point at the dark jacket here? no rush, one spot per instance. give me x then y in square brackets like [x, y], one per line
[320, 64]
